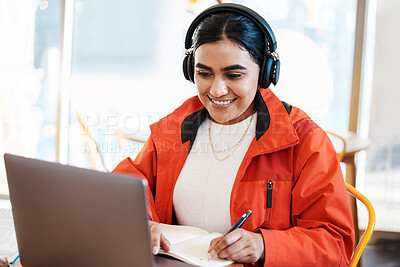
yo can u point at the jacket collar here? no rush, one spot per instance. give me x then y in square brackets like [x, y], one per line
[263, 116]
[266, 127]
[191, 124]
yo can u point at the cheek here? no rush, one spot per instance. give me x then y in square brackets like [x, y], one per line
[246, 89]
[201, 86]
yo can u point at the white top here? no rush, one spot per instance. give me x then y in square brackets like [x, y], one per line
[203, 189]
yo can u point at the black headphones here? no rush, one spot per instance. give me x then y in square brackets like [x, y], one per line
[269, 69]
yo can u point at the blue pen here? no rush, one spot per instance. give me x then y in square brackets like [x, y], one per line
[15, 260]
[240, 221]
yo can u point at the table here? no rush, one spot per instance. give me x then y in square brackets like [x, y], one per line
[160, 261]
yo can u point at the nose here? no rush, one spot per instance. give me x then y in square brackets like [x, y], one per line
[218, 87]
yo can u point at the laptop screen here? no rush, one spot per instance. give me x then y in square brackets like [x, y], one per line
[68, 216]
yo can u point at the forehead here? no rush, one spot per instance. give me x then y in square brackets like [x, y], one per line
[222, 53]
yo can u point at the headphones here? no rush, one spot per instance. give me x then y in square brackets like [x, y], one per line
[269, 69]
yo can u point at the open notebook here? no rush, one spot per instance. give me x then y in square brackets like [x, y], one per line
[190, 244]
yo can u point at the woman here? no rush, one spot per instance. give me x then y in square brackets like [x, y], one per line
[235, 147]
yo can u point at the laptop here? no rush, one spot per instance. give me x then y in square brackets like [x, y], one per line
[68, 216]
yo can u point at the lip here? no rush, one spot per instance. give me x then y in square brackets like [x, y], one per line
[223, 103]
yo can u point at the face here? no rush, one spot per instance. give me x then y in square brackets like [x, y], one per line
[226, 78]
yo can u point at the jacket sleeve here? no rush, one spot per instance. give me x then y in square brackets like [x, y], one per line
[144, 166]
[322, 232]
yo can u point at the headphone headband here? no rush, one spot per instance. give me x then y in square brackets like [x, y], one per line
[269, 69]
[238, 9]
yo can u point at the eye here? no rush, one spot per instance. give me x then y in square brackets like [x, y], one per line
[204, 74]
[235, 75]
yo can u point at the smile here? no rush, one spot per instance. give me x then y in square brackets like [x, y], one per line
[222, 102]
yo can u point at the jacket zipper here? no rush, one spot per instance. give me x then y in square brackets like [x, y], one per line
[270, 184]
[267, 221]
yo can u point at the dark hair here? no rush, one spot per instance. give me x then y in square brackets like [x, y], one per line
[233, 27]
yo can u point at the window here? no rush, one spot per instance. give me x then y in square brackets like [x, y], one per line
[315, 43]
[29, 42]
[379, 170]
[125, 74]
[28, 79]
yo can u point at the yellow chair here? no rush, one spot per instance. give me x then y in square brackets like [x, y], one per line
[370, 227]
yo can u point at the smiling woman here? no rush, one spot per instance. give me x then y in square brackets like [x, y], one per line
[236, 147]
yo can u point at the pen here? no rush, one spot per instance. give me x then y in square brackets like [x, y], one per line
[240, 221]
[237, 225]
[15, 260]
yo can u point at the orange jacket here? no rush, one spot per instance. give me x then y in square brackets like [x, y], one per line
[290, 178]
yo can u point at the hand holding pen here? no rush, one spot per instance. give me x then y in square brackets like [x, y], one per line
[237, 225]
[238, 244]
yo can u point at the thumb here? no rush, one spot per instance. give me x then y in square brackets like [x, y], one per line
[164, 243]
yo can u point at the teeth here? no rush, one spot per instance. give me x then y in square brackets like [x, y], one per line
[222, 103]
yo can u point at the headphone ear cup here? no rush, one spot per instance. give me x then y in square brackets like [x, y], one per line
[275, 71]
[191, 67]
[188, 67]
[265, 72]
[261, 76]
[185, 68]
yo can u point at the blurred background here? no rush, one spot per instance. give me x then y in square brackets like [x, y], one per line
[81, 81]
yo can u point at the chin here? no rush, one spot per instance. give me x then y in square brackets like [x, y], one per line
[220, 119]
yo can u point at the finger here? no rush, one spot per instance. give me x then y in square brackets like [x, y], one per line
[243, 257]
[164, 243]
[155, 233]
[236, 246]
[247, 255]
[213, 243]
[227, 240]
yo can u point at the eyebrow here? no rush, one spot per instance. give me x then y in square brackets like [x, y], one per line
[232, 67]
